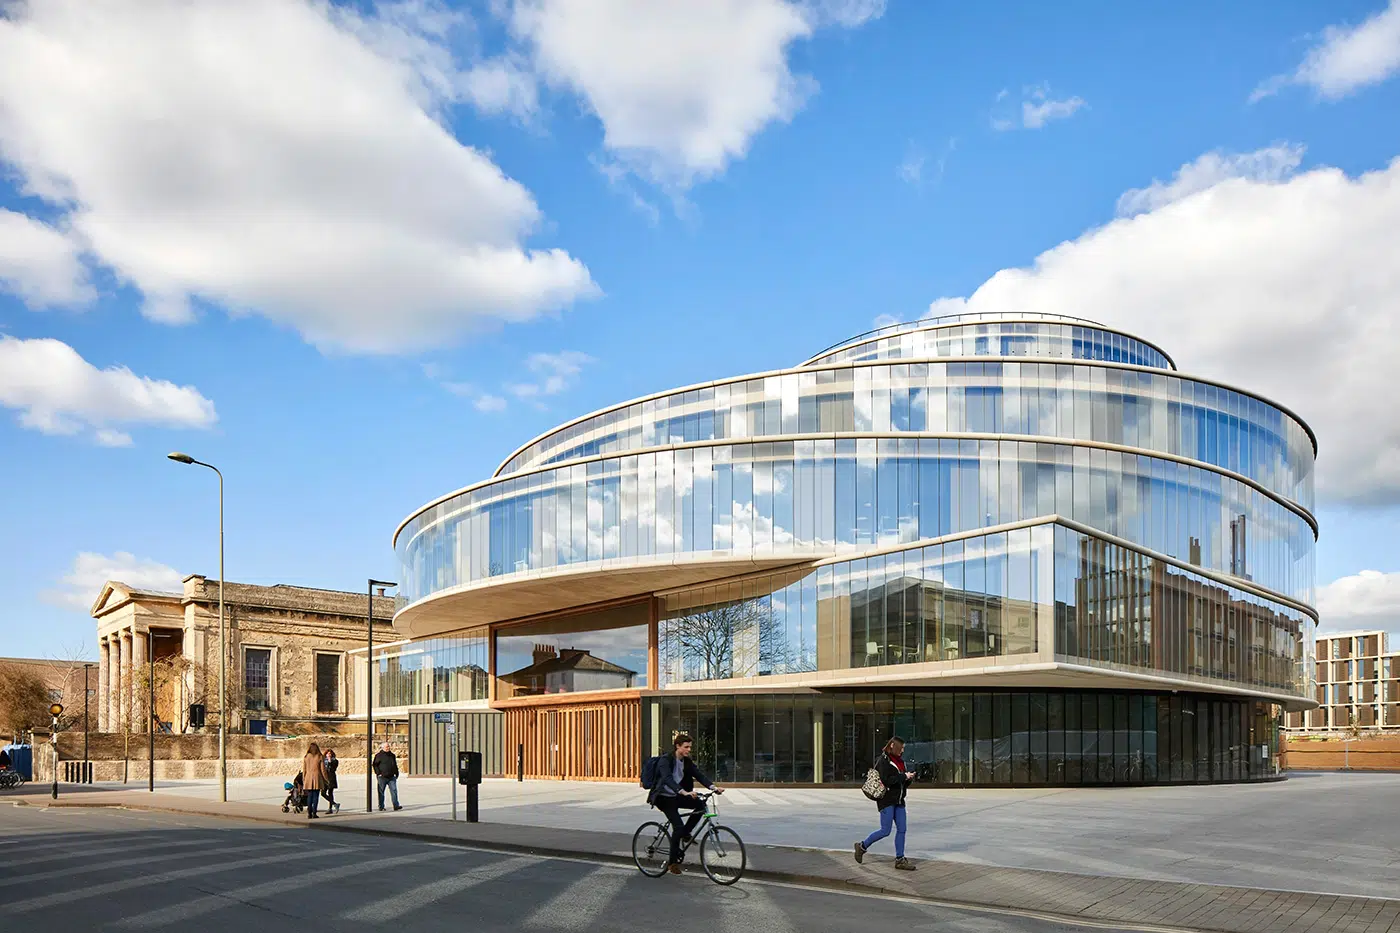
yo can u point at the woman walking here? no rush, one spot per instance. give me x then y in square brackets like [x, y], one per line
[331, 763]
[313, 778]
[890, 766]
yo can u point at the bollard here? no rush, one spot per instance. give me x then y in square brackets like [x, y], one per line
[520, 762]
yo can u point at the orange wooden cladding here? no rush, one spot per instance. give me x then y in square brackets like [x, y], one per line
[599, 740]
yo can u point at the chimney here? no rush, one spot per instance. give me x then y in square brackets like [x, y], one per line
[544, 653]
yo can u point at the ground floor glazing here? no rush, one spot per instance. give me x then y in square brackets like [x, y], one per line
[974, 737]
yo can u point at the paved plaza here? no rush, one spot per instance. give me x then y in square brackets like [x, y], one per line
[1315, 832]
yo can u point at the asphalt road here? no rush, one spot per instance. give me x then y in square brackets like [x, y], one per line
[80, 869]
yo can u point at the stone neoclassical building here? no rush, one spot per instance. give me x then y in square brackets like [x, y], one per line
[287, 666]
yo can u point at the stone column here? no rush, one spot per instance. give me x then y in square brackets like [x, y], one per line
[140, 644]
[102, 685]
[124, 688]
[114, 682]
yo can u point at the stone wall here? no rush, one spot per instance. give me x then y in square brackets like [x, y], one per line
[249, 756]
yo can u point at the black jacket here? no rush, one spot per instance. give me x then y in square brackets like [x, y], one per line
[896, 784]
[689, 779]
[386, 765]
[331, 765]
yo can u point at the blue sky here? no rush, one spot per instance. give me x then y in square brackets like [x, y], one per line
[356, 255]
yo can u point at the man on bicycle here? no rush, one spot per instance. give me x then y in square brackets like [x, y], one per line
[675, 791]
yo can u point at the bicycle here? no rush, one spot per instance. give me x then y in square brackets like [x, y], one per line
[722, 852]
[11, 778]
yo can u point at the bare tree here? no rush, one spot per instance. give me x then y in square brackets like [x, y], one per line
[739, 639]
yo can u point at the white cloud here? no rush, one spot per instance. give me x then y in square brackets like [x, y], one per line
[681, 88]
[1037, 112]
[1347, 59]
[489, 403]
[39, 263]
[56, 391]
[80, 586]
[1363, 600]
[1272, 164]
[911, 170]
[277, 157]
[554, 372]
[1037, 109]
[1287, 288]
[503, 85]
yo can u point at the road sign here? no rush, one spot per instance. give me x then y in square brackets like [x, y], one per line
[442, 717]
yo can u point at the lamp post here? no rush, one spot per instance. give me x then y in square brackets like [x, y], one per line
[55, 710]
[369, 693]
[223, 642]
[151, 710]
[87, 767]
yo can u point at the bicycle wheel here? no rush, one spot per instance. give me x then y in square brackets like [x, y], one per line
[722, 853]
[651, 849]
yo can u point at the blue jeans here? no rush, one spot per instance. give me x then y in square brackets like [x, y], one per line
[890, 815]
[313, 797]
[393, 785]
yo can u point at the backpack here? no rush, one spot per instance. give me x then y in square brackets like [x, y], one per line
[874, 788]
[651, 772]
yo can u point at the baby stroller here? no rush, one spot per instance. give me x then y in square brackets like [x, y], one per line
[296, 796]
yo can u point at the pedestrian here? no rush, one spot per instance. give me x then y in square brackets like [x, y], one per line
[386, 772]
[890, 766]
[313, 778]
[332, 763]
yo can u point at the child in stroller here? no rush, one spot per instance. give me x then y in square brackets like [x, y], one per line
[296, 796]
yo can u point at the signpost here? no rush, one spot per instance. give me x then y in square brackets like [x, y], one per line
[446, 718]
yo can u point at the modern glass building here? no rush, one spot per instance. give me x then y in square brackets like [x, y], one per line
[1027, 544]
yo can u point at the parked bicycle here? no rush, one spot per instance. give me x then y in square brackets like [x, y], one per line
[721, 850]
[10, 778]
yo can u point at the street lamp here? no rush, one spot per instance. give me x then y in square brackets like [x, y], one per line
[151, 709]
[223, 642]
[87, 766]
[55, 710]
[369, 692]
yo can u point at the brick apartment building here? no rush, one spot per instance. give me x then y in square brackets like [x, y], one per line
[1358, 685]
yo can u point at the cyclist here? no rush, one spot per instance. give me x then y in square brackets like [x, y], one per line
[675, 791]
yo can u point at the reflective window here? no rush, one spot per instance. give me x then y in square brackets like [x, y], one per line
[980, 738]
[433, 670]
[573, 654]
[1151, 411]
[823, 497]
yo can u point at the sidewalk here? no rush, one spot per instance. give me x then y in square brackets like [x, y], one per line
[1127, 901]
[1333, 834]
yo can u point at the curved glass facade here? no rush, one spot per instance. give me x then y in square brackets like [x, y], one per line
[998, 595]
[1031, 499]
[822, 497]
[1133, 408]
[1009, 339]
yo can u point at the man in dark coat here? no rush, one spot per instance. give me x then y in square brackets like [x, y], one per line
[675, 791]
[386, 773]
